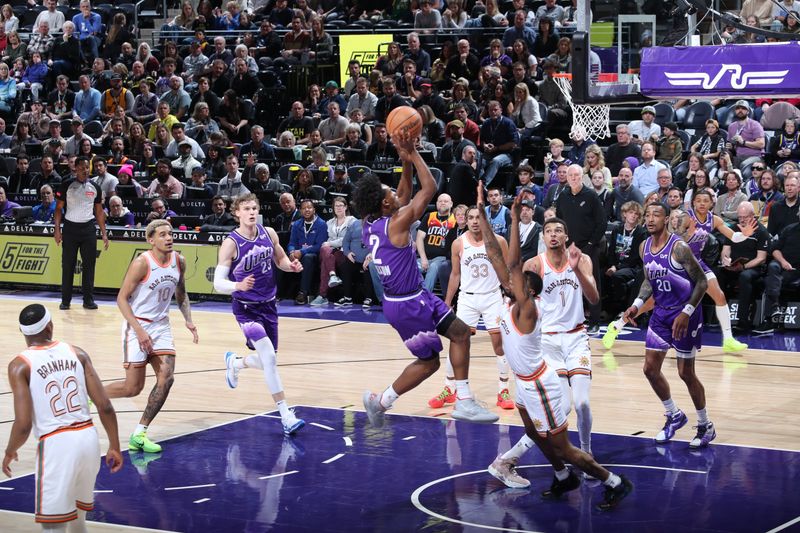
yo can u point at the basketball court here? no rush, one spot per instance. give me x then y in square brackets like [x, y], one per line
[227, 467]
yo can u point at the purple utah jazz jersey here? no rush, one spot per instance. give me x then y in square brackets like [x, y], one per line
[671, 284]
[397, 267]
[254, 257]
[702, 230]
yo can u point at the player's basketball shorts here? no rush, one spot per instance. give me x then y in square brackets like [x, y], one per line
[472, 307]
[67, 462]
[706, 269]
[568, 353]
[419, 319]
[257, 319]
[659, 332]
[159, 331]
[539, 394]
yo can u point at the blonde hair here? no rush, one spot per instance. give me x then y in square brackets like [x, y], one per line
[601, 161]
[154, 225]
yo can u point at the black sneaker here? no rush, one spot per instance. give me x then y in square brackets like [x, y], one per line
[764, 329]
[344, 301]
[557, 488]
[89, 305]
[63, 306]
[612, 497]
[301, 298]
[593, 329]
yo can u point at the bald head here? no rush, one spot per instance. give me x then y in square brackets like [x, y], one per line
[745, 210]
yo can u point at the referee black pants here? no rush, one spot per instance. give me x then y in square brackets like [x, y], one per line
[76, 237]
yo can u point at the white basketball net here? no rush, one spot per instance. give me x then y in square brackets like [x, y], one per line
[588, 120]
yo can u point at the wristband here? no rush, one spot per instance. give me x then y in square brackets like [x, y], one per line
[638, 303]
[688, 309]
[738, 237]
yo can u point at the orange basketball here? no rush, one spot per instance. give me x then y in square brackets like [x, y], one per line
[404, 119]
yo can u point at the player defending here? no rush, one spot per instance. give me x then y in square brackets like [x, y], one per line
[414, 312]
[480, 296]
[539, 392]
[694, 228]
[144, 300]
[567, 277]
[52, 382]
[245, 271]
[676, 281]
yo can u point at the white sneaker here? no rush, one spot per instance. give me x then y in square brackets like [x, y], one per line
[292, 424]
[505, 470]
[319, 301]
[374, 409]
[471, 411]
[367, 302]
[231, 372]
[334, 280]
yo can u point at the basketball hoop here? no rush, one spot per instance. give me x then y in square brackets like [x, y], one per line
[591, 120]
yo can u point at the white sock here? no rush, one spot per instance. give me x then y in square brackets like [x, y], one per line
[267, 354]
[724, 318]
[249, 361]
[388, 398]
[562, 474]
[79, 524]
[140, 429]
[502, 385]
[283, 409]
[581, 387]
[502, 371]
[613, 480]
[670, 406]
[702, 417]
[462, 389]
[518, 450]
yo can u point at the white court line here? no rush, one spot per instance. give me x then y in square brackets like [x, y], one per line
[191, 487]
[348, 441]
[784, 526]
[103, 491]
[202, 500]
[410, 438]
[6, 488]
[280, 475]
[332, 459]
[416, 494]
[322, 426]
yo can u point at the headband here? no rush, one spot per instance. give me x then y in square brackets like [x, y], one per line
[38, 327]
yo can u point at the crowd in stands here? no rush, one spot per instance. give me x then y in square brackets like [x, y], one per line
[179, 122]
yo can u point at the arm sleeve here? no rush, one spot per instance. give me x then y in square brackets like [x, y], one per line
[221, 282]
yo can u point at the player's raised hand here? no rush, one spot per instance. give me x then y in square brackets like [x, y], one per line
[574, 256]
[748, 228]
[516, 207]
[191, 327]
[113, 460]
[246, 284]
[480, 202]
[405, 145]
[7, 462]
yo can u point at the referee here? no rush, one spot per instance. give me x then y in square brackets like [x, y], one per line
[79, 202]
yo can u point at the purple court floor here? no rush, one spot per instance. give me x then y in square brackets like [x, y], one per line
[426, 474]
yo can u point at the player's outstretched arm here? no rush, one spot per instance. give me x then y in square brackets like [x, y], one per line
[645, 295]
[108, 417]
[183, 300]
[490, 241]
[225, 258]
[683, 256]
[415, 208]
[19, 375]
[585, 274]
[282, 260]
[525, 313]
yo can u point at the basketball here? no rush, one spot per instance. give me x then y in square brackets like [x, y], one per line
[404, 119]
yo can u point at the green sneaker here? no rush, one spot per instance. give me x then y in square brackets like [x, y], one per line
[140, 442]
[732, 346]
[610, 336]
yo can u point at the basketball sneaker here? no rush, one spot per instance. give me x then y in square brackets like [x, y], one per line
[705, 434]
[334, 280]
[505, 470]
[674, 422]
[444, 397]
[140, 442]
[504, 400]
[292, 424]
[559, 488]
[374, 409]
[471, 411]
[612, 497]
[610, 336]
[731, 345]
[231, 372]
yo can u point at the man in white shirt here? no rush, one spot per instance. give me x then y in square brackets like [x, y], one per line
[179, 136]
[645, 129]
[231, 186]
[54, 18]
[363, 99]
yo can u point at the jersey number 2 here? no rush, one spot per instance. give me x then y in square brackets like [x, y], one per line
[374, 241]
[70, 403]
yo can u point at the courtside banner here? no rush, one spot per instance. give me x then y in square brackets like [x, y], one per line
[737, 70]
[36, 260]
[365, 48]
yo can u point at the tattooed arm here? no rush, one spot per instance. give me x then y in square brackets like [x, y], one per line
[494, 249]
[683, 256]
[183, 300]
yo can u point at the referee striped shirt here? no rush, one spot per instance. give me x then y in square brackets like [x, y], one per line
[79, 199]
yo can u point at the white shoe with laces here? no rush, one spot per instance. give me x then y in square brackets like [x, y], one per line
[470, 410]
[334, 280]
